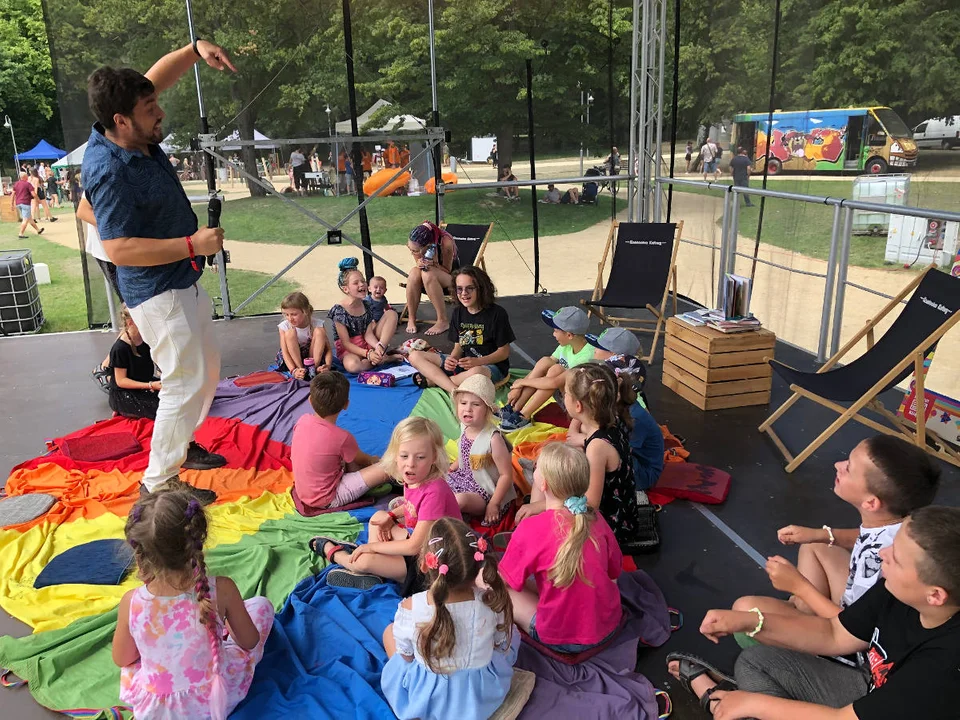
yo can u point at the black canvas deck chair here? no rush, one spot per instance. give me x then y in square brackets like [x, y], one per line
[471, 242]
[643, 273]
[932, 310]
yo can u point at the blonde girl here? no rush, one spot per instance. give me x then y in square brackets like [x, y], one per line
[416, 457]
[302, 336]
[599, 401]
[360, 342]
[452, 647]
[573, 603]
[175, 659]
[482, 476]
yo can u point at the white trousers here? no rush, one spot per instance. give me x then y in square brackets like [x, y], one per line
[178, 327]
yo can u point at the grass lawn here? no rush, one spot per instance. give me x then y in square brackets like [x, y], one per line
[271, 220]
[806, 227]
[64, 301]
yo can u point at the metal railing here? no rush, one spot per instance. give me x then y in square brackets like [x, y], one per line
[838, 261]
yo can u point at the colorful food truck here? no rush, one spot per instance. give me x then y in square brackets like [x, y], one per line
[866, 139]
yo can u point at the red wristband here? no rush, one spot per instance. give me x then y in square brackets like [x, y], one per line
[193, 257]
[393, 517]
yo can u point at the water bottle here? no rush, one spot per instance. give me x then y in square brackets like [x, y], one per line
[430, 253]
[310, 367]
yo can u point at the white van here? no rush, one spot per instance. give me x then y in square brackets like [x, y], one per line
[943, 133]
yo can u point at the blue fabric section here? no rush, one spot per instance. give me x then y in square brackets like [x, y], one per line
[324, 656]
[100, 562]
[372, 415]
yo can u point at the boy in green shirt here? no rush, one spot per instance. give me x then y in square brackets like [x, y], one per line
[570, 325]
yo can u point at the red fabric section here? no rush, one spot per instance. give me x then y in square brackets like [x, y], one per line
[261, 377]
[690, 481]
[552, 414]
[244, 446]
[97, 448]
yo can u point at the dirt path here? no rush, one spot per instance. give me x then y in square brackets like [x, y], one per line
[788, 303]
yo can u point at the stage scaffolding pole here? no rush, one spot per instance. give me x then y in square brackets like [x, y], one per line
[438, 150]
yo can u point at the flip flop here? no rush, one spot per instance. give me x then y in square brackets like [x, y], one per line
[420, 381]
[316, 545]
[341, 577]
[692, 667]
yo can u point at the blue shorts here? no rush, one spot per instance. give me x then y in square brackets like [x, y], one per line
[25, 212]
[710, 167]
[566, 648]
[496, 375]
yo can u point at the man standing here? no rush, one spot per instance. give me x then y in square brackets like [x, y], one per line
[298, 163]
[740, 167]
[150, 232]
[22, 198]
[708, 153]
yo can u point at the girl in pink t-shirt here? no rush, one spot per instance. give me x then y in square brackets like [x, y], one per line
[417, 458]
[573, 557]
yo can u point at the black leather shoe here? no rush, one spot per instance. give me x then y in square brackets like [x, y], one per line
[199, 458]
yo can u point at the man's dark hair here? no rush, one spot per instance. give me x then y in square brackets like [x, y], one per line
[111, 92]
[936, 529]
[329, 393]
[906, 478]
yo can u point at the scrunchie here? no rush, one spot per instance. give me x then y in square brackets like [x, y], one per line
[346, 266]
[576, 504]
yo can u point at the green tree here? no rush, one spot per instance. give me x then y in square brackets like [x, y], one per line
[27, 90]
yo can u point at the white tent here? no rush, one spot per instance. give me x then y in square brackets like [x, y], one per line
[402, 123]
[71, 158]
[257, 136]
[343, 127]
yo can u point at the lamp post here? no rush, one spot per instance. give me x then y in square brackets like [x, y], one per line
[589, 103]
[334, 156]
[7, 123]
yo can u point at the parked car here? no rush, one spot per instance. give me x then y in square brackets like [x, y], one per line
[943, 133]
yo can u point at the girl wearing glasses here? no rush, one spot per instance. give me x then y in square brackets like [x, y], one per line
[481, 332]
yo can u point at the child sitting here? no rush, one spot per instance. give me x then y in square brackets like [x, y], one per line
[451, 649]
[480, 330]
[885, 478]
[361, 343]
[417, 458]
[601, 401]
[329, 469]
[618, 348]
[569, 325]
[482, 476]
[376, 299]
[302, 336]
[176, 659]
[134, 383]
[572, 556]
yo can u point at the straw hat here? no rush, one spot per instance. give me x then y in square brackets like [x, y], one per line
[482, 387]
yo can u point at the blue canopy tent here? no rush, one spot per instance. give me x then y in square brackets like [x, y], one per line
[43, 151]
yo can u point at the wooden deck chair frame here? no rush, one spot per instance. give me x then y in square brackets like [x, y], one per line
[635, 324]
[900, 427]
[478, 261]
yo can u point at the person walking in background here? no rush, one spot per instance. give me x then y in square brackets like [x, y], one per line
[740, 167]
[298, 163]
[708, 154]
[688, 155]
[22, 199]
[40, 195]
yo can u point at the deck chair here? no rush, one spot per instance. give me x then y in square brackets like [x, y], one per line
[471, 242]
[932, 310]
[643, 273]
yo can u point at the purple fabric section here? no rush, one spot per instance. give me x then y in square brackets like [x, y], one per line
[605, 686]
[372, 415]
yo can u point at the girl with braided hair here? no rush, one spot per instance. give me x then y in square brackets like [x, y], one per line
[187, 644]
[361, 343]
[451, 648]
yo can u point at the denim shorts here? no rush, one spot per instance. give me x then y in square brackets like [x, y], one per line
[710, 166]
[25, 212]
[495, 373]
[566, 648]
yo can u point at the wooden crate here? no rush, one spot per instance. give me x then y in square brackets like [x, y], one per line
[715, 370]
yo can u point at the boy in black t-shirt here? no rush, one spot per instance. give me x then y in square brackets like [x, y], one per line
[480, 330]
[907, 625]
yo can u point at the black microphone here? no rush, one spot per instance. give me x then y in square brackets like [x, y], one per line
[213, 220]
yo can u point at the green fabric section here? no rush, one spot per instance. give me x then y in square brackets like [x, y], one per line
[73, 667]
[437, 405]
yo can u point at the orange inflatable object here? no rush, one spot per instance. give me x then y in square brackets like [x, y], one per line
[430, 186]
[375, 181]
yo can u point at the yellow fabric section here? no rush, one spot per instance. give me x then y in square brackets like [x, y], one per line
[23, 555]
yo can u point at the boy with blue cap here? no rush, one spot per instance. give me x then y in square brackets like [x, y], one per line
[570, 325]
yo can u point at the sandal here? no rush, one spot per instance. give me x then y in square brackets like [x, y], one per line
[420, 381]
[692, 667]
[316, 545]
[707, 697]
[341, 577]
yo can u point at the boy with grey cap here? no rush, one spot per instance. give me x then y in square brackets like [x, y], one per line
[570, 325]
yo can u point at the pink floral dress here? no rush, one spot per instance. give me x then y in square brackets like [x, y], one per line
[172, 678]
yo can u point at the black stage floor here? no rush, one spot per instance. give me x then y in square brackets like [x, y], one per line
[708, 557]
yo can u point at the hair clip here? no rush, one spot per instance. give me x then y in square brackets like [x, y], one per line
[136, 513]
[192, 507]
[434, 540]
[598, 380]
[432, 560]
